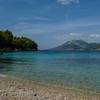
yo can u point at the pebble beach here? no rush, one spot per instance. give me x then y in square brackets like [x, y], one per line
[12, 88]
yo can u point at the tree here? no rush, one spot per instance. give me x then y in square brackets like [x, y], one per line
[2, 40]
[7, 40]
[24, 43]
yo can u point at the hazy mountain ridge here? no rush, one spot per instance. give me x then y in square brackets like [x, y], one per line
[78, 45]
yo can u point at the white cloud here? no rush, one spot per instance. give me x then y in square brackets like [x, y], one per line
[39, 18]
[28, 28]
[66, 2]
[74, 34]
[67, 36]
[90, 35]
[95, 35]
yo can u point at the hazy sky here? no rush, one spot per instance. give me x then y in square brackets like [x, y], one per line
[52, 22]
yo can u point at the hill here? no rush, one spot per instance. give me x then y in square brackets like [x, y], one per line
[8, 42]
[77, 45]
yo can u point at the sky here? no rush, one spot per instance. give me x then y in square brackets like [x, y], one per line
[52, 22]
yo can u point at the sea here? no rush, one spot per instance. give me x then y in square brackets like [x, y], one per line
[68, 69]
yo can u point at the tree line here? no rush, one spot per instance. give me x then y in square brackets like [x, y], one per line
[10, 42]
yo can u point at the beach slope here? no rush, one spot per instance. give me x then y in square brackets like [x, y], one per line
[12, 88]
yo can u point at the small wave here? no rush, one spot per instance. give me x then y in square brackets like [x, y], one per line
[3, 76]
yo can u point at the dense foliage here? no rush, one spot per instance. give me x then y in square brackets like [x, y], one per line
[9, 42]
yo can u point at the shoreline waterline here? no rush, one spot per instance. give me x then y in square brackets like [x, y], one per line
[77, 89]
[30, 89]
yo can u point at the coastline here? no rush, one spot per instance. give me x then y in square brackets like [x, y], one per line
[13, 88]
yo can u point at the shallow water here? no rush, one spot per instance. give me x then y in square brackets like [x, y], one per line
[67, 69]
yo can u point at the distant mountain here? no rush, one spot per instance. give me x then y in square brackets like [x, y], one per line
[77, 45]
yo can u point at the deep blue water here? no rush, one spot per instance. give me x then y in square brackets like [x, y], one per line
[68, 69]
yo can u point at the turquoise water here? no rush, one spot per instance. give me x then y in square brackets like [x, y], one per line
[69, 69]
